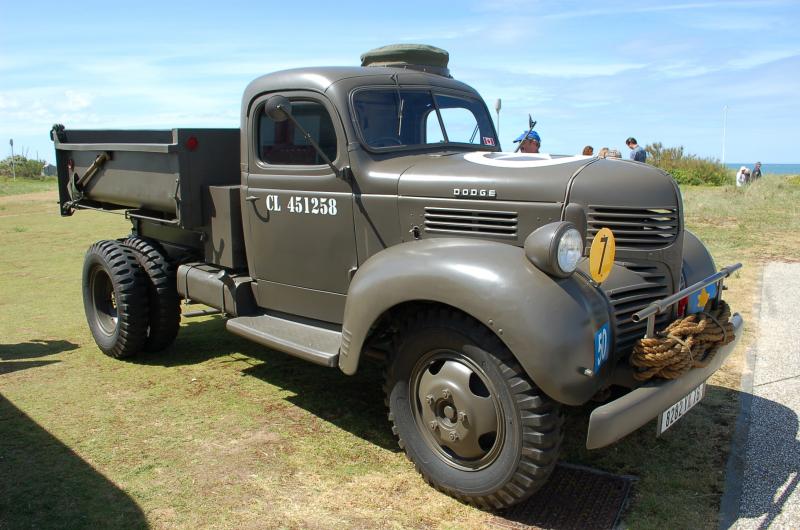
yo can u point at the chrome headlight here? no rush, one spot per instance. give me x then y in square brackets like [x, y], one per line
[555, 248]
[570, 250]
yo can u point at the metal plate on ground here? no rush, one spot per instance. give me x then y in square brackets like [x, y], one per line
[574, 497]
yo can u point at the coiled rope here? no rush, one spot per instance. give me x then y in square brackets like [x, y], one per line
[687, 343]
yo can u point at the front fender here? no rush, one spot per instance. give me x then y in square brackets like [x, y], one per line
[697, 260]
[547, 323]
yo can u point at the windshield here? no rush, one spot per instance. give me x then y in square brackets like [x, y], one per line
[395, 117]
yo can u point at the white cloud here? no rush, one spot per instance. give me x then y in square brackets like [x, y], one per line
[439, 34]
[683, 69]
[74, 101]
[575, 70]
[722, 22]
[752, 60]
[550, 10]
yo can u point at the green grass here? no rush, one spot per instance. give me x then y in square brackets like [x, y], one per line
[218, 432]
[758, 222]
[20, 186]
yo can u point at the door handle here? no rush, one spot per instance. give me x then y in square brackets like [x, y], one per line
[251, 198]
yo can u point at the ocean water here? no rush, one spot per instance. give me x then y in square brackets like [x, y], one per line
[776, 169]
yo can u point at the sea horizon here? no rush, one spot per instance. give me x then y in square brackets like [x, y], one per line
[775, 169]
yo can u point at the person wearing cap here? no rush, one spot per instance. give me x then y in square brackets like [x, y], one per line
[637, 151]
[530, 142]
[756, 174]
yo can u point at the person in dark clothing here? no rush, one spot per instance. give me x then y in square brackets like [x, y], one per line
[637, 151]
[756, 173]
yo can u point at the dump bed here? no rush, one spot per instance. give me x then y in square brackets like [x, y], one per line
[160, 174]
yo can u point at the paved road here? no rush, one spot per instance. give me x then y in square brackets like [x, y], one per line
[764, 473]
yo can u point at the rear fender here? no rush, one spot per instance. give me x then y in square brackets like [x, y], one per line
[547, 323]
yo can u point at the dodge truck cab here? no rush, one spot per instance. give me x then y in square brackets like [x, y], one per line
[369, 212]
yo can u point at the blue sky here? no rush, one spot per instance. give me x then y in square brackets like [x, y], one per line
[590, 73]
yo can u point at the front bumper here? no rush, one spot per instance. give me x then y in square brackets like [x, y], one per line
[617, 419]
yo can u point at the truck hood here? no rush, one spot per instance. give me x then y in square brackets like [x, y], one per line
[508, 176]
[539, 178]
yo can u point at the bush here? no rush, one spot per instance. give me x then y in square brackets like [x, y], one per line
[24, 168]
[688, 169]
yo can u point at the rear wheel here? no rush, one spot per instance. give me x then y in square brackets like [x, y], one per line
[466, 413]
[115, 298]
[163, 301]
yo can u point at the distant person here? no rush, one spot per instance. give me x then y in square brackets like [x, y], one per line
[531, 142]
[588, 150]
[637, 151]
[603, 153]
[741, 176]
[614, 153]
[756, 174]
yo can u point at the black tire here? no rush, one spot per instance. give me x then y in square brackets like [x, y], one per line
[442, 350]
[115, 298]
[165, 311]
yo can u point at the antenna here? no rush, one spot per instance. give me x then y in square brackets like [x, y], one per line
[724, 130]
[532, 124]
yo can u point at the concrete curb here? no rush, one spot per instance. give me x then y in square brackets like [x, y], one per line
[734, 470]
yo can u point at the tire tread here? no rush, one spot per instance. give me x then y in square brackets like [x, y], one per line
[131, 300]
[163, 301]
[542, 419]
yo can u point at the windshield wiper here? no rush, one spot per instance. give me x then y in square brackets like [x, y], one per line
[474, 132]
[399, 106]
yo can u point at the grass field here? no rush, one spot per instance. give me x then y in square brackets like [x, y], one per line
[219, 433]
[22, 186]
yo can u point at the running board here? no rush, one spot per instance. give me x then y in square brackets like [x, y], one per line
[310, 340]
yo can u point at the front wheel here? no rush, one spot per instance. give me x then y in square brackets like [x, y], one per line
[466, 413]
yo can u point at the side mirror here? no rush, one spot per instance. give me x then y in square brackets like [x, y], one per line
[279, 108]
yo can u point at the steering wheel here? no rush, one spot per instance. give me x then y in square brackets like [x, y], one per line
[386, 141]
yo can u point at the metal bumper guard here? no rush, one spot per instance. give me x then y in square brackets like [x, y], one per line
[617, 419]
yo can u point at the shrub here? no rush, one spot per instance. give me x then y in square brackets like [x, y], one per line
[688, 169]
[24, 168]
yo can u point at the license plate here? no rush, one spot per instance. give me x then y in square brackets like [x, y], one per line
[668, 418]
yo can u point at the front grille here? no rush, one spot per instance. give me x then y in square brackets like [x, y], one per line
[471, 222]
[633, 227]
[629, 299]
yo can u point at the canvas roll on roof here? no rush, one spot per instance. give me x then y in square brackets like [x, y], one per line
[414, 56]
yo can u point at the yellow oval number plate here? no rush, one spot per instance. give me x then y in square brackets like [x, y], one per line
[601, 255]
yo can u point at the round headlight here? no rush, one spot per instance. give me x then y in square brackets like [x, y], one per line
[570, 250]
[555, 248]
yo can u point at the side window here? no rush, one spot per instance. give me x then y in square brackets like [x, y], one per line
[282, 143]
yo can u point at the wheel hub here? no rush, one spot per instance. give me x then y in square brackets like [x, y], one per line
[104, 301]
[459, 409]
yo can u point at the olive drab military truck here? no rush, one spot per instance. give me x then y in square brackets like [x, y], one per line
[370, 212]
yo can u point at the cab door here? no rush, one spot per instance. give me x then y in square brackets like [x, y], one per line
[299, 215]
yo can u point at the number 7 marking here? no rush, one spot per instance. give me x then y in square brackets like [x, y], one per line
[603, 240]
